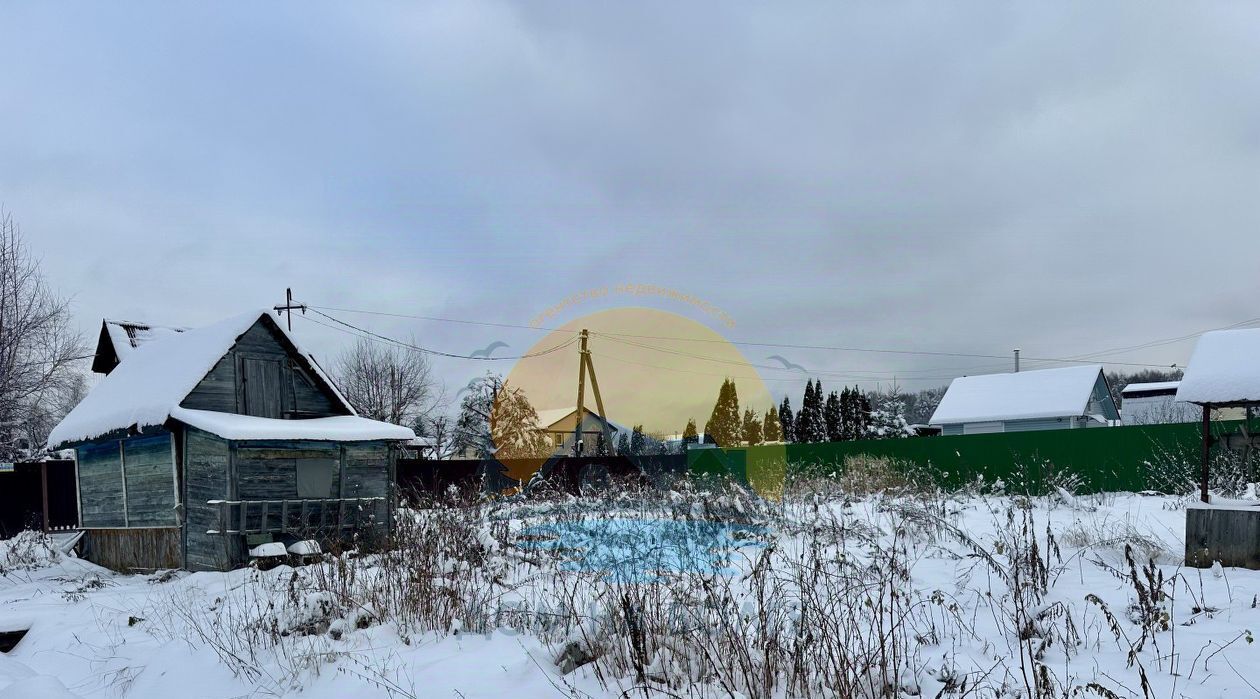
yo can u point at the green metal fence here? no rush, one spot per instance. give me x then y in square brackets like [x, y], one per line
[1158, 457]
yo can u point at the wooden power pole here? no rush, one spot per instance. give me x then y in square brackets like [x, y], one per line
[289, 307]
[585, 364]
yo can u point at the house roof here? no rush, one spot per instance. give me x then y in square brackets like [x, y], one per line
[1154, 386]
[548, 418]
[1224, 369]
[146, 390]
[119, 337]
[1025, 395]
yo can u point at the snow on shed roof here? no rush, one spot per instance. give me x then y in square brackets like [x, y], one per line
[146, 390]
[340, 428]
[1024, 395]
[120, 337]
[1224, 369]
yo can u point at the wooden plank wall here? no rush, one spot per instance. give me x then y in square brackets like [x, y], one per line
[299, 392]
[132, 550]
[147, 462]
[1230, 536]
[268, 470]
[206, 469]
[101, 485]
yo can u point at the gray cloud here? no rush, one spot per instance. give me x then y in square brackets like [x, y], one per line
[1064, 178]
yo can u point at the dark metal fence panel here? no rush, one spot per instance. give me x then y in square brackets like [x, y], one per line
[22, 498]
[567, 474]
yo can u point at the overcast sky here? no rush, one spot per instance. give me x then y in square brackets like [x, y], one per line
[956, 177]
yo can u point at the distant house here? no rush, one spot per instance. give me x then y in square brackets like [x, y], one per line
[1046, 399]
[201, 443]
[1155, 404]
[557, 426]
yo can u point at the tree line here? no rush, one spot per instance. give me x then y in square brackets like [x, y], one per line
[845, 415]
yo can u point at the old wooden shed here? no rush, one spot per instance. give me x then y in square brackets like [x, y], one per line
[201, 443]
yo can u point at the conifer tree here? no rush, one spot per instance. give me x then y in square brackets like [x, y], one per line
[810, 424]
[690, 435]
[752, 428]
[802, 417]
[725, 424]
[787, 424]
[623, 444]
[771, 431]
[832, 418]
[636, 440]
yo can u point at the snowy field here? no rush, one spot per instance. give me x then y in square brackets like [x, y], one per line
[677, 594]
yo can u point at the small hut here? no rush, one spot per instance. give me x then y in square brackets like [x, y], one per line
[1224, 372]
[199, 444]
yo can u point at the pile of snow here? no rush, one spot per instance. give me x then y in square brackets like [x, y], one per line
[1225, 368]
[1023, 395]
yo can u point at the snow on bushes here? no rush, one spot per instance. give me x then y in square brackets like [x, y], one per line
[28, 551]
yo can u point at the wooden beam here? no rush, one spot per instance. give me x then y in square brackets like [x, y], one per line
[43, 479]
[1207, 450]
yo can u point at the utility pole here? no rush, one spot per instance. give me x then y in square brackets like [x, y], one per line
[1016, 360]
[289, 306]
[585, 364]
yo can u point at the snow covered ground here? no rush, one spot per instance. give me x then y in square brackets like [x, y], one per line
[914, 595]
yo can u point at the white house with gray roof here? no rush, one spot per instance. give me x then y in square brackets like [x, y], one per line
[1045, 399]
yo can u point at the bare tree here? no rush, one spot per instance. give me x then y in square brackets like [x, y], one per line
[38, 348]
[388, 383]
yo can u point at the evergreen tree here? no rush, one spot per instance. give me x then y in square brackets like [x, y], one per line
[725, 425]
[690, 435]
[831, 418]
[801, 429]
[855, 414]
[888, 415]
[636, 440]
[787, 424]
[770, 429]
[810, 424]
[863, 414]
[752, 428]
[623, 444]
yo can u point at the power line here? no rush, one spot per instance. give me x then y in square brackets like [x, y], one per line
[436, 319]
[1087, 358]
[362, 332]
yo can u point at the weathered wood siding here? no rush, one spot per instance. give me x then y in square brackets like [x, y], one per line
[207, 465]
[128, 482]
[367, 468]
[101, 485]
[150, 473]
[268, 470]
[1231, 536]
[131, 550]
[262, 375]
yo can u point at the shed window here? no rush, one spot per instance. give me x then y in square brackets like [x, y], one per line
[315, 477]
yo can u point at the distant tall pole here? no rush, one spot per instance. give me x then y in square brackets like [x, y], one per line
[1016, 360]
[581, 397]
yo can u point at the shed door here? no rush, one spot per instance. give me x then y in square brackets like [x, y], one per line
[262, 386]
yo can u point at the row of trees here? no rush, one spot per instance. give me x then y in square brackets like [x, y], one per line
[843, 415]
